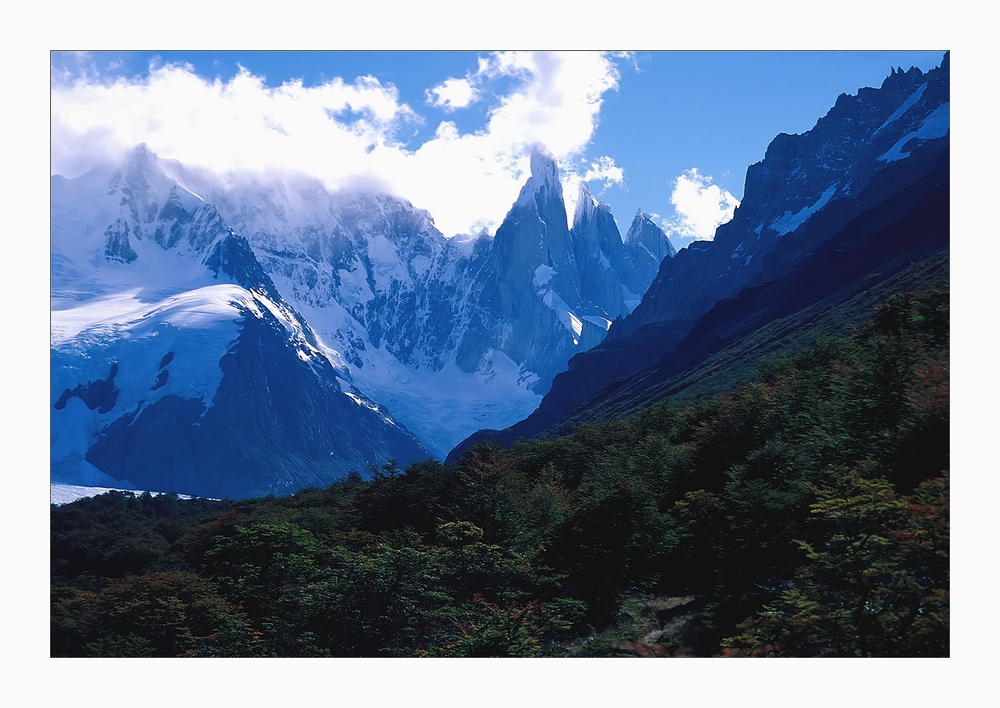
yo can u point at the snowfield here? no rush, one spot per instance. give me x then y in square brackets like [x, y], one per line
[68, 493]
[184, 335]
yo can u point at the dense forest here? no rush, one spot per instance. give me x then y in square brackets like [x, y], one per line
[803, 513]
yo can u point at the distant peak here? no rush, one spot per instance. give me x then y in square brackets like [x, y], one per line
[645, 231]
[639, 219]
[636, 226]
[544, 176]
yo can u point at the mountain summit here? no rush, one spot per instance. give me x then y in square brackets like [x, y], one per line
[825, 214]
[543, 186]
[255, 334]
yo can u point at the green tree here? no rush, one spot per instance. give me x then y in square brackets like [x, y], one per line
[503, 604]
[161, 614]
[876, 580]
[617, 542]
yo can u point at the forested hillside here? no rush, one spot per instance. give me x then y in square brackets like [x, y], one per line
[803, 513]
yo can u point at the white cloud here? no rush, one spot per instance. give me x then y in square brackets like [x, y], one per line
[605, 170]
[700, 206]
[559, 101]
[339, 131]
[452, 94]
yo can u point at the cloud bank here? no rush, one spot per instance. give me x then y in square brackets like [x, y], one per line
[343, 131]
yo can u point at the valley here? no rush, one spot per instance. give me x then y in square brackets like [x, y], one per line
[367, 438]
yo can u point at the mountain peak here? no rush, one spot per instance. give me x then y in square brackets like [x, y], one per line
[543, 164]
[140, 155]
[638, 221]
[142, 164]
[544, 176]
[644, 235]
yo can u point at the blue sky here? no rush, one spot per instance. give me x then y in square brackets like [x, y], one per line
[671, 133]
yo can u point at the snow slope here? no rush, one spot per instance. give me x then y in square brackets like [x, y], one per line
[155, 302]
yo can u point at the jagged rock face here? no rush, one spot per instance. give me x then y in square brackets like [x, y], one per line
[154, 206]
[553, 291]
[599, 249]
[532, 281]
[232, 256]
[615, 273]
[836, 167]
[118, 245]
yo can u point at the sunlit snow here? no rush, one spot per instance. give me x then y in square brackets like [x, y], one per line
[602, 322]
[136, 334]
[575, 323]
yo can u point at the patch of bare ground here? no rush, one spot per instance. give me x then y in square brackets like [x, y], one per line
[656, 626]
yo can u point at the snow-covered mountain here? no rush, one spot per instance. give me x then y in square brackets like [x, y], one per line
[175, 362]
[235, 334]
